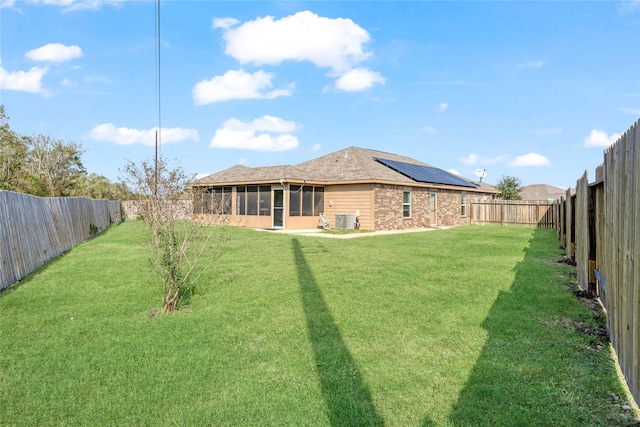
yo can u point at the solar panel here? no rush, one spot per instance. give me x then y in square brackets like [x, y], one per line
[427, 174]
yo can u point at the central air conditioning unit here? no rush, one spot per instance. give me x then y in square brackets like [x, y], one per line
[345, 222]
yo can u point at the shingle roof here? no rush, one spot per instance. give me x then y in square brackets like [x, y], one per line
[357, 164]
[347, 165]
[241, 173]
[541, 192]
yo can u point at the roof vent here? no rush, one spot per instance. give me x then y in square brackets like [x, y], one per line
[345, 221]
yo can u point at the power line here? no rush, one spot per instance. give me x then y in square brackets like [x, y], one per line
[158, 70]
[158, 95]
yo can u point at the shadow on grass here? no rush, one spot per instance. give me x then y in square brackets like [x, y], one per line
[531, 370]
[346, 396]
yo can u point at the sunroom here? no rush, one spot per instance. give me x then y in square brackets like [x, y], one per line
[260, 206]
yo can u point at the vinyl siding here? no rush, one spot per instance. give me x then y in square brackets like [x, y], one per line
[350, 199]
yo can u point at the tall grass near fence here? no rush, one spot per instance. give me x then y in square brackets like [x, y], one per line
[34, 230]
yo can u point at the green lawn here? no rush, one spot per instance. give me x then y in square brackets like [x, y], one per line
[467, 326]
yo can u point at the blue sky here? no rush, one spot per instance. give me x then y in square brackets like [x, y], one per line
[535, 90]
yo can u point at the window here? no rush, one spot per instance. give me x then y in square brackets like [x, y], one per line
[406, 204]
[463, 204]
[226, 201]
[252, 200]
[198, 200]
[265, 201]
[219, 201]
[295, 197]
[241, 197]
[214, 200]
[318, 200]
[306, 201]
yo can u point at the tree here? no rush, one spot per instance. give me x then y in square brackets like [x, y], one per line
[97, 186]
[510, 188]
[45, 166]
[53, 166]
[181, 250]
[13, 155]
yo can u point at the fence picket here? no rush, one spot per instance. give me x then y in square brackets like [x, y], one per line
[612, 237]
[34, 230]
[537, 213]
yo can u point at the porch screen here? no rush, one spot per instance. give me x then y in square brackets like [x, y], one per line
[306, 201]
[252, 200]
[265, 200]
[214, 200]
[241, 197]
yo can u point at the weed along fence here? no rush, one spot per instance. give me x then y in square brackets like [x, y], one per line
[600, 229]
[538, 213]
[34, 230]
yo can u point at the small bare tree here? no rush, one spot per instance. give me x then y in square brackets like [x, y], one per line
[181, 250]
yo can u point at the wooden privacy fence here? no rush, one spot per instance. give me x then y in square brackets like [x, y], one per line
[539, 213]
[34, 230]
[600, 228]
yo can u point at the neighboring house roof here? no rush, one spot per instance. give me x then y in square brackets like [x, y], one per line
[353, 164]
[542, 192]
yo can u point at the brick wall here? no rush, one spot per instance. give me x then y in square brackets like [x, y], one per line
[388, 207]
[450, 208]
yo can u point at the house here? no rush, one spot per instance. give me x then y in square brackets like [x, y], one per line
[384, 190]
[542, 192]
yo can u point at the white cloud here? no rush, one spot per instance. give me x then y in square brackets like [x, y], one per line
[443, 106]
[267, 133]
[531, 159]
[328, 43]
[7, 3]
[627, 6]
[316, 147]
[532, 64]
[454, 171]
[225, 23]
[237, 85]
[473, 159]
[72, 5]
[337, 44]
[264, 123]
[54, 52]
[126, 136]
[25, 81]
[599, 138]
[359, 79]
